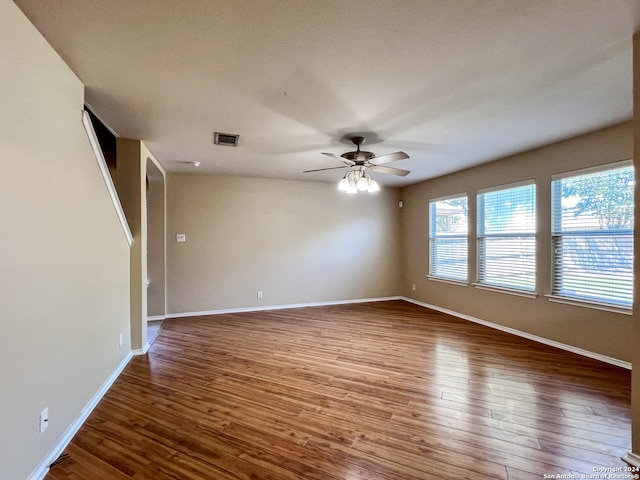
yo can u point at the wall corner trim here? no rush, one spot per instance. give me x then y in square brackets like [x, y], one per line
[141, 351]
[56, 451]
[535, 338]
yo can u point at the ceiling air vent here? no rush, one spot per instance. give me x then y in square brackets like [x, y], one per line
[226, 139]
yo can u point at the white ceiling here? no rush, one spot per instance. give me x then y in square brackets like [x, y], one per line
[453, 83]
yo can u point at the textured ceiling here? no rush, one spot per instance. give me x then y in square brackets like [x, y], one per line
[453, 83]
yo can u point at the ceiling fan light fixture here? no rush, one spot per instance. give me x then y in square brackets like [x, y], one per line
[357, 180]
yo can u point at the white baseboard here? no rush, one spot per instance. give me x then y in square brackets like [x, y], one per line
[632, 459]
[56, 451]
[535, 338]
[141, 351]
[281, 307]
[156, 318]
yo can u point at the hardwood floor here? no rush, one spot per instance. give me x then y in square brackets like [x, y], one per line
[385, 390]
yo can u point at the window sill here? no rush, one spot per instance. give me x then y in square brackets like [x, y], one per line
[508, 291]
[588, 304]
[460, 283]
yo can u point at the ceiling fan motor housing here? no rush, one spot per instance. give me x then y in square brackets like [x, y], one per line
[358, 156]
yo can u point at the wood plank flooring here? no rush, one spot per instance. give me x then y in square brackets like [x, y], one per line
[384, 390]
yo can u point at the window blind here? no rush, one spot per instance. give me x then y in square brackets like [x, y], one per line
[592, 234]
[507, 237]
[448, 226]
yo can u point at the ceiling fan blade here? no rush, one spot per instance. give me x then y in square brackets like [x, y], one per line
[393, 171]
[337, 157]
[323, 169]
[390, 157]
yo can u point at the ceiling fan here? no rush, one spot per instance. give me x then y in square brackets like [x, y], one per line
[359, 160]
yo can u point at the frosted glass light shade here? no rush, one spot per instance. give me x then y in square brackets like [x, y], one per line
[357, 180]
[352, 185]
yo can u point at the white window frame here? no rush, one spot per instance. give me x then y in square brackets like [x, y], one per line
[482, 236]
[433, 240]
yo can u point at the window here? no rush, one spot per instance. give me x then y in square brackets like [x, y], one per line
[592, 231]
[448, 238]
[507, 237]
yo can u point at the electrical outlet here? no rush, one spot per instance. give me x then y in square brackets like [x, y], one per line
[44, 420]
[120, 340]
[260, 296]
[413, 287]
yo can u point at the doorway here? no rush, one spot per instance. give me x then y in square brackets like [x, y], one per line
[156, 268]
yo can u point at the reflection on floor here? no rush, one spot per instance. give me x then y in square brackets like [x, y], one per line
[153, 329]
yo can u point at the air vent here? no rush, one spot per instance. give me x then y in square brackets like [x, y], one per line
[226, 139]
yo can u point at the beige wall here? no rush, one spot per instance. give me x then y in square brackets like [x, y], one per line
[297, 242]
[130, 183]
[64, 267]
[593, 330]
